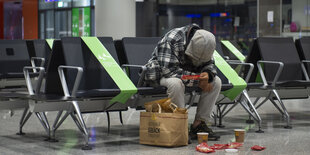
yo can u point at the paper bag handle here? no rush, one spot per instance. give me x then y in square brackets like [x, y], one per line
[159, 108]
[173, 106]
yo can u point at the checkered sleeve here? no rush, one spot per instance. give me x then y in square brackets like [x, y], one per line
[170, 64]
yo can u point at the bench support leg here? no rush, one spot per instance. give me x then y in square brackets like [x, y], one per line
[82, 123]
[288, 125]
[26, 115]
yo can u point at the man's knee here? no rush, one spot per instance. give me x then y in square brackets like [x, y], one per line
[217, 83]
[175, 84]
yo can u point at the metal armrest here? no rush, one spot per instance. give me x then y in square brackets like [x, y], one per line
[33, 64]
[226, 57]
[233, 61]
[64, 82]
[304, 69]
[134, 66]
[247, 78]
[278, 73]
[28, 79]
[143, 69]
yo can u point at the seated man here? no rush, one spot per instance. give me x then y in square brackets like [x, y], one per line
[187, 51]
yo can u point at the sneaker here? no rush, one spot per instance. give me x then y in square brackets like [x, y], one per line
[202, 127]
[189, 140]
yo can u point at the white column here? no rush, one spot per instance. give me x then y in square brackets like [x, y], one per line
[115, 18]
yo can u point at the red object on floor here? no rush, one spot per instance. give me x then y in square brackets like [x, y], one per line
[190, 77]
[234, 145]
[219, 146]
[204, 148]
[258, 148]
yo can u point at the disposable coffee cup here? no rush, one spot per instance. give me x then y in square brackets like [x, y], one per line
[239, 135]
[202, 137]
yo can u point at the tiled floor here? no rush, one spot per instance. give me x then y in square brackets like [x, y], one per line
[124, 139]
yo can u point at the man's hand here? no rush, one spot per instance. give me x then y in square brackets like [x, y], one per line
[204, 82]
[204, 76]
[205, 86]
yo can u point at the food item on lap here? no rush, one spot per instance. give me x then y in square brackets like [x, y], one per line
[190, 77]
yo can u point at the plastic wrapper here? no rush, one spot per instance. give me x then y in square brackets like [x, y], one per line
[258, 148]
[190, 77]
[164, 106]
[234, 145]
[219, 146]
[204, 148]
[154, 106]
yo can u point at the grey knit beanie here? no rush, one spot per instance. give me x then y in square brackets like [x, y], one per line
[201, 47]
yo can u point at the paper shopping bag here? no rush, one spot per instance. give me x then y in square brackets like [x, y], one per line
[163, 129]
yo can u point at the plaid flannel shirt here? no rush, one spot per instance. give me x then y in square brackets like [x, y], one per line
[169, 59]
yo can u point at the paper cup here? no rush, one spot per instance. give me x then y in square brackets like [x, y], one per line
[202, 137]
[239, 134]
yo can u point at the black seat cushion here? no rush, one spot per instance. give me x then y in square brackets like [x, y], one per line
[226, 86]
[163, 90]
[197, 89]
[17, 75]
[152, 90]
[113, 92]
[294, 83]
[254, 85]
[141, 90]
[97, 93]
[48, 97]
[8, 95]
[40, 97]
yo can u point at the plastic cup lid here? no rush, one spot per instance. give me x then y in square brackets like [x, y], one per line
[202, 133]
